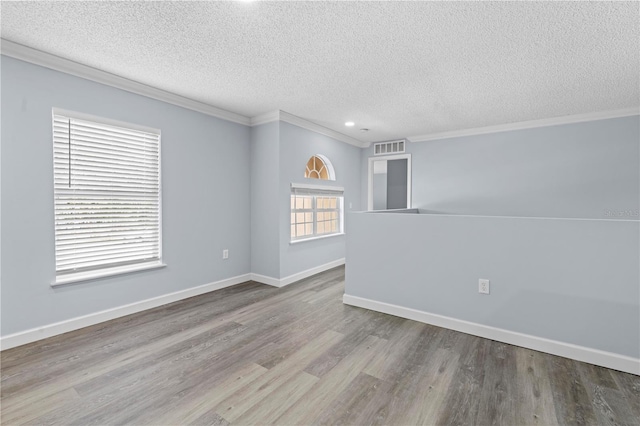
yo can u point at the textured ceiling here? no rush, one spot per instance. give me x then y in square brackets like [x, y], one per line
[397, 68]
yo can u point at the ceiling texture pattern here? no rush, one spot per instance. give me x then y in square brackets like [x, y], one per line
[397, 68]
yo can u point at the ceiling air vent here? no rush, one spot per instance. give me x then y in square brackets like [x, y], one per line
[392, 147]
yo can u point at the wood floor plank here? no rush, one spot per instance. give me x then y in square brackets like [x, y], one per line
[463, 397]
[75, 378]
[429, 390]
[570, 397]
[210, 418]
[535, 399]
[279, 400]
[298, 355]
[385, 363]
[326, 390]
[498, 395]
[201, 405]
[240, 402]
[191, 369]
[351, 402]
[629, 385]
[43, 406]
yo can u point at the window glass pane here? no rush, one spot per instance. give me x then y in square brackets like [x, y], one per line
[293, 202]
[316, 215]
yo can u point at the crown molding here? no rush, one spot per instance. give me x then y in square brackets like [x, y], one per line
[309, 125]
[553, 121]
[265, 118]
[48, 60]
[280, 115]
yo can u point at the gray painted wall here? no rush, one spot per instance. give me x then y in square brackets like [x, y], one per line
[582, 170]
[265, 209]
[205, 199]
[296, 146]
[574, 281]
[379, 191]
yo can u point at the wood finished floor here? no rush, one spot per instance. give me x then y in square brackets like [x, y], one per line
[254, 354]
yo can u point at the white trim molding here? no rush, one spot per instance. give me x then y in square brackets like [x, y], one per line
[48, 60]
[268, 117]
[306, 124]
[554, 347]
[310, 125]
[281, 282]
[521, 125]
[50, 330]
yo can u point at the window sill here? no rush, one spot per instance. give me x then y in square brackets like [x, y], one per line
[102, 273]
[321, 237]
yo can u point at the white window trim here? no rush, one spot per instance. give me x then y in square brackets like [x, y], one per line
[103, 120]
[71, 278]
[317, 187]
[338, 192]
[317, 237]
[104, 273]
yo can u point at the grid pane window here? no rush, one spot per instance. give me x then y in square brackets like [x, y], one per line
[315, 214]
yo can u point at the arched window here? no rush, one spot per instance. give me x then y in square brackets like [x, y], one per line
[319, 167]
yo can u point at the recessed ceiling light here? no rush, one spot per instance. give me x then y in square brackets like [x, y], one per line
[349, 124]
[364, 130]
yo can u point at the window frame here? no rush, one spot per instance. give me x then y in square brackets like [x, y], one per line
[317, 191]
[326, 165]
[118, 269]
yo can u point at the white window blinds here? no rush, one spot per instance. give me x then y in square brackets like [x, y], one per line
[107, 194]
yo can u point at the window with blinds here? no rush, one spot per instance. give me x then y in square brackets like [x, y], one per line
[107, 196]
[316, 211]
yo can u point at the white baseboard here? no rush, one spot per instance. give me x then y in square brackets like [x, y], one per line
[263, 279]
[28, 336]
[281, 282]
[50, 330]
[567, 350]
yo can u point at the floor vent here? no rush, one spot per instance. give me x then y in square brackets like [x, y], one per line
[392, 147]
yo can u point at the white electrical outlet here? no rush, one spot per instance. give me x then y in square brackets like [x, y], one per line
[225, 254]
[483, 286]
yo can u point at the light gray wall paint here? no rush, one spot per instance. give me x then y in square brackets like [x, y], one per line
[582, 170]
[379, 191]
[265, 209]
[205, 198]
[574, 281]
[296, 146]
